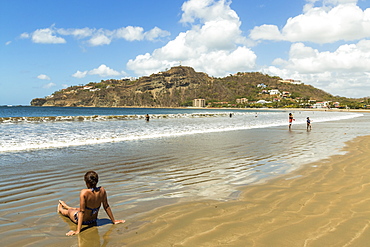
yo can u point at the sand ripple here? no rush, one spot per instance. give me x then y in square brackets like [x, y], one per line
[328, 205]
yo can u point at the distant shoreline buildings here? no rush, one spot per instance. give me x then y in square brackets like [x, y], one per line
[199, 103]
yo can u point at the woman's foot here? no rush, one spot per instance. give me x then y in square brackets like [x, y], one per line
[58, 208]
[63, 204]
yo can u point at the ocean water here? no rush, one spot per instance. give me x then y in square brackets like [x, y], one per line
[36, 128]
[180, 154]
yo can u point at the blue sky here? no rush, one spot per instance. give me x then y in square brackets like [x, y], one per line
[49, 45]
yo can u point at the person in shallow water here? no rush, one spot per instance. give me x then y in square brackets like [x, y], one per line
[90, 201]
[291, 119]
[309, 123]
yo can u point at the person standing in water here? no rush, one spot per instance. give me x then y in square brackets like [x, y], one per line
[90, 202]
[147, 117]
[309, 123]
[291, 119]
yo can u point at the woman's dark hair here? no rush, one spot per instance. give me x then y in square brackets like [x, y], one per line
[91, 179]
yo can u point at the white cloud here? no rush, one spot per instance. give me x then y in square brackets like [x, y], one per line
[348, 57]
[130, 33]
[80, 74]
[43, 77]
[155, 33]
[100, 39]
[214, 44]
[95, 37]
[25, 36]
[8, 43]
[46, 36]
[207, 10]
[49, 85]
[102, 71]
[335, 20]
[79, 33]
[266, 32]
[341, 72]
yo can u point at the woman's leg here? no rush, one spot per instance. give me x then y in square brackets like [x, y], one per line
[67, 211]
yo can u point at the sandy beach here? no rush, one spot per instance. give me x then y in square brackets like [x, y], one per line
[205, 189]
[324, 204]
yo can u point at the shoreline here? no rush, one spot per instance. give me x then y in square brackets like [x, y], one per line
[322, 204]
[215, 108]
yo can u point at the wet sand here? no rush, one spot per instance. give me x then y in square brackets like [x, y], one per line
[324, 204]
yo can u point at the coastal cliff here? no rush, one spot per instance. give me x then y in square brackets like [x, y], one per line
[177, 87]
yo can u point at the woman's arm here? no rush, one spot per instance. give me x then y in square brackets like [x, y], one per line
[80, 215]
[108, 209]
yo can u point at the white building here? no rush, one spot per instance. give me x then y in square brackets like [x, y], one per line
[199, 102]
[274, 92]
[263, 102]
[324, 104]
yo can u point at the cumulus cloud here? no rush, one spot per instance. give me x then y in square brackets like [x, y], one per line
[348, 57]
[102, 71]
[44, 36]
[79, 33]
[43, 77]
[213, 44]
[348, 84]
[99, 39]
[207, 10]
[341, 72]
[49, 85]
[130, 33]
[80, 74]
[333, 21]
[155, 33]
[94, 37]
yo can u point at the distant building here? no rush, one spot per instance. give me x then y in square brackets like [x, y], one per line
[242, 101]
[263, 102]
[199, 102]
[274, 92]
[262, 85]
[290, 81]
[324, 104]
[336, 104]
[286, 94]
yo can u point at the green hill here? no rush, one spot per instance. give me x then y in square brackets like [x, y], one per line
[180, 85]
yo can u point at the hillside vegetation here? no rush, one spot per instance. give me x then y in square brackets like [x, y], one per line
[180, 85]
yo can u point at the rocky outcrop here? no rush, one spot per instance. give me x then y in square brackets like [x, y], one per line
[38, 101]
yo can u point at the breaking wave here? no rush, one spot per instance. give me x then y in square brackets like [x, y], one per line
[104, 118]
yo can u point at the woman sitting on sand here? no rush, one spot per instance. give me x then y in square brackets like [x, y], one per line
[90, 201]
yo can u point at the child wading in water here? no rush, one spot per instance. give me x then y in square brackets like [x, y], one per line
[90, 201]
